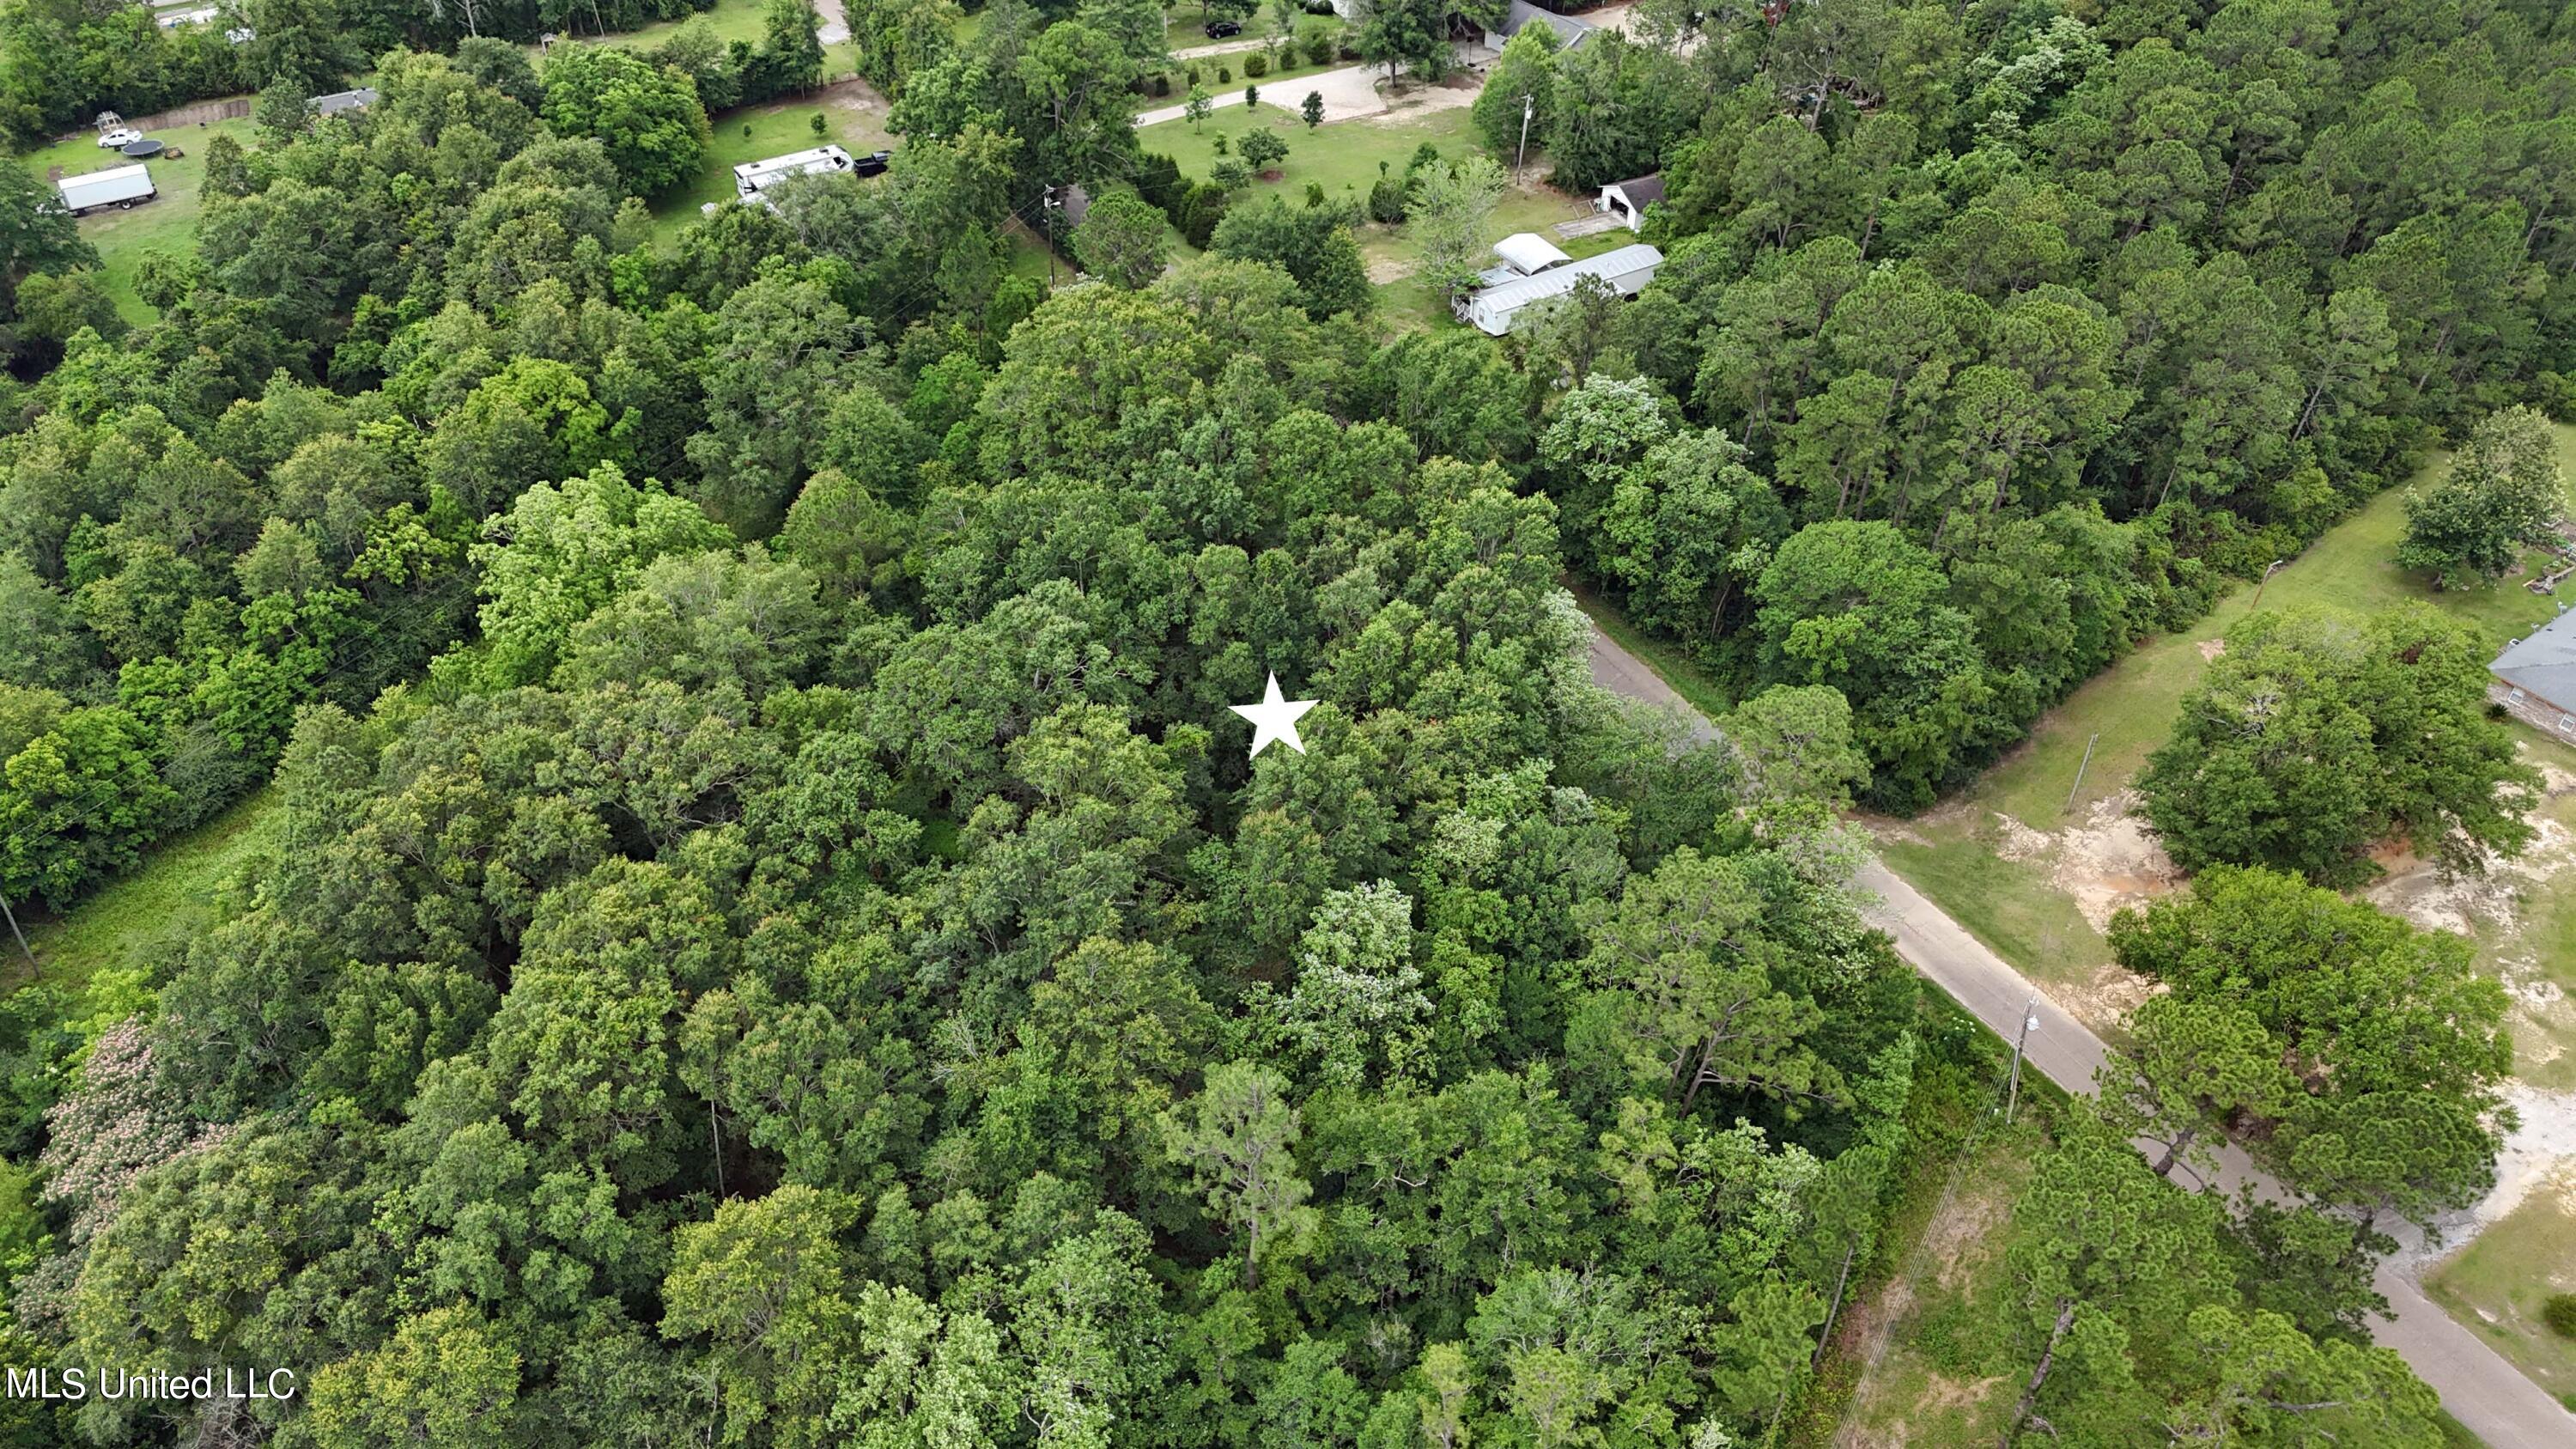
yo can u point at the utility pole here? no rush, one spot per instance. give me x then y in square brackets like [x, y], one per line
[32, 963]
[2080, 768]
[2261, 583]
[2029, 1019]
[1529, 108]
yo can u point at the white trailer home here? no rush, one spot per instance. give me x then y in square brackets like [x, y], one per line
[752, 177]
[119, 186]
[1492, 310]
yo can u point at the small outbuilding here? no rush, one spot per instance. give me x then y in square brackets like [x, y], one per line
[1571, 31]
[2536, 678]
[1628, 200]
[1494, 309]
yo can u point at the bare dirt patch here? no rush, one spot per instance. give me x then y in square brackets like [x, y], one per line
[2110, 861]
[853, 95]
[1383, 270]
[2212, 648]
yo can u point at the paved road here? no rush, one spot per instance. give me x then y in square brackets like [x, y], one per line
[2477, 1385]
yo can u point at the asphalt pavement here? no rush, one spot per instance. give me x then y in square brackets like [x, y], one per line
[2483, 1391]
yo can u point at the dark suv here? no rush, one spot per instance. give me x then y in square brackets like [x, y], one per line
[1220, 29]
[872, 164]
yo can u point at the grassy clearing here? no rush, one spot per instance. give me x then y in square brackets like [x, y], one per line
[2010, 905]
[1936, 1326]
[167, 223]
[2133, 705]
[2129, 710]
[1345, 159]
[141, 920]
[2542, 950]
[853, 119]
[1343, 155]
[731, 20]
[2496, 1284]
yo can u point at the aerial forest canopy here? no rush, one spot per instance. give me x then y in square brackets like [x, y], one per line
[769, 934]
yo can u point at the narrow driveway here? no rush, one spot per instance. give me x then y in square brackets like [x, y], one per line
[1350, 91]
[1222, 47]
[2477, 1385]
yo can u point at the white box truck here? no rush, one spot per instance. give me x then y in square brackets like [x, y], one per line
[119, 187]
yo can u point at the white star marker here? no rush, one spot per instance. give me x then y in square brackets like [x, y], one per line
[1274, 718]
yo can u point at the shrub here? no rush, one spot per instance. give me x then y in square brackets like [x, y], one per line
[1231, 174]
[1224, 75]
[1162, 85]
[1262, 150]
[1255, 66]
[1200, 212]
[1314, 193]
[1158, 180]
[2559, 1312]
[819, 126]
[1191, 75]
[1386, 201]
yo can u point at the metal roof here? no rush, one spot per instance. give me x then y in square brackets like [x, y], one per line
[1640, 190]
[2544, 662]
[756, 174]
[1568, 29]
[339, 101]
[1556, 281]
[1528, 252]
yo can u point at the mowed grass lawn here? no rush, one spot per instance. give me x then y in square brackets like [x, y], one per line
[168, 223]
[150, 915]
[2496, 1285]
[2133, 705]
[2129, 710]
[1344, 158]
[775, 128]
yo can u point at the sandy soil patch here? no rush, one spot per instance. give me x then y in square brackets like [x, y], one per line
[2113, 861]
[2212, 648]
[1383, 270]
[2539, 1156]
[855, 95]
[2109, 862]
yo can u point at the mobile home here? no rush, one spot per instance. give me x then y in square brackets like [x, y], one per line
[1494, 309]
[751, 178]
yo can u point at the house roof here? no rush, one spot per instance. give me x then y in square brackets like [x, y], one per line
[339, 101]
[1556, 281]
[1077, 203]
[2543, 663]
[1641, 190]
[1527, 252]
[1568, 29]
